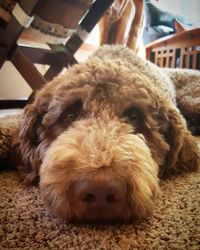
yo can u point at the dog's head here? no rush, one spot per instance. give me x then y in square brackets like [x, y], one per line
[101, 135]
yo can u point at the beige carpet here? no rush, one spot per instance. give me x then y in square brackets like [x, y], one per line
[26, 224]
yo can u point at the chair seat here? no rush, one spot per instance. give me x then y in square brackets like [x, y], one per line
[54, 20]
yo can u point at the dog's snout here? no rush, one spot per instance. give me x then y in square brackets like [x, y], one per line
[101, 196]
[94, 198]
[100, 200]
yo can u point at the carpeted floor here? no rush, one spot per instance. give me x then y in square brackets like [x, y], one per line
[25, 223]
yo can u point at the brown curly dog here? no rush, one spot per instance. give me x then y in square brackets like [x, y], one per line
[99, 136]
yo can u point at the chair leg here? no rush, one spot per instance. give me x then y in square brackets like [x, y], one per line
[64, 59]
[76, 40]
[27, 70]
[13, 30]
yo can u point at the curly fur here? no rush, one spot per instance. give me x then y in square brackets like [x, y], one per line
[8, 125]
[114, 115]
[187, 85]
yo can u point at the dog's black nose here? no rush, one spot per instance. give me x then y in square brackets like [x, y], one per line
[100, 200]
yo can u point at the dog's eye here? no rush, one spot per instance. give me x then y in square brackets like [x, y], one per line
[71, 113]
[133, 115]
[71, 117]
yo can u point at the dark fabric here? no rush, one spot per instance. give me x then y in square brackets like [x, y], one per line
[158, 23]
[159, 17]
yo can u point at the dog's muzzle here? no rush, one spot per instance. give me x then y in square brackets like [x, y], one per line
[99, 172]
[104, 200]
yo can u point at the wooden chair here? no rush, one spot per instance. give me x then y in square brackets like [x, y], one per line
[59, 55]
[122, 23]
[181, 50]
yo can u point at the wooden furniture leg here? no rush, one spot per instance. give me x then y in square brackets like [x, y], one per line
[90, 20]
[13, 29]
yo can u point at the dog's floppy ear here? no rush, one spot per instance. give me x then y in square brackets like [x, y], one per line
[26, 139]
[184, 153]
[24, 148]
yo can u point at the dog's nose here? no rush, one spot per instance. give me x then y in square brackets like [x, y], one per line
[102, 200]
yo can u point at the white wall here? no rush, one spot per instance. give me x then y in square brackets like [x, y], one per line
[188, 9]
[12, 85]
